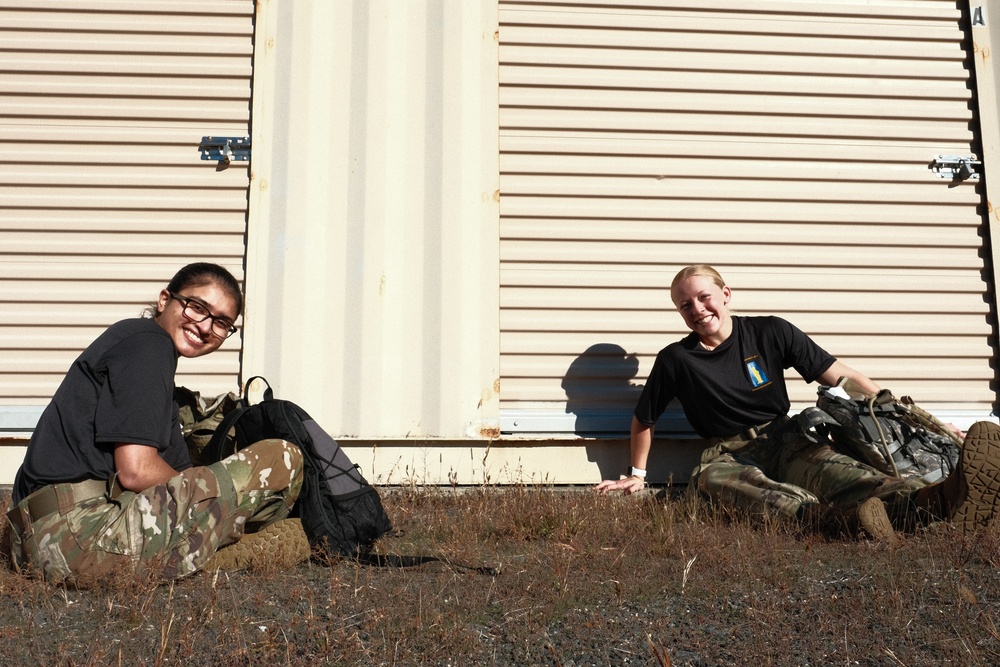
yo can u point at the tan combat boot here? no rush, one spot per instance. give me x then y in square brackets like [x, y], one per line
[970, 496]
[279, 544]
[868, 520]
[873, 521]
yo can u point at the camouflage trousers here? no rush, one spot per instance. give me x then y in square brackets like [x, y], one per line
[169, 530]
[783, 470]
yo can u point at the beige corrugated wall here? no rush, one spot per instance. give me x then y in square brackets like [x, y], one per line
[372, 270]
[103, 194]
[986, 42]
[786, 143]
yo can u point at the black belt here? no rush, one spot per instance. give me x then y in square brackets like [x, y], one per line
[59, 497]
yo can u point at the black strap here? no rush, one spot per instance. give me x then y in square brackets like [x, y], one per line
[393, 560]
[268, 393]
[215, 446]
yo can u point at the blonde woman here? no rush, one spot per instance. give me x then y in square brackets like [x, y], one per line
[728, 375]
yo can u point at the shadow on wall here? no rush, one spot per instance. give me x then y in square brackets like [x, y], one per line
[601, 396]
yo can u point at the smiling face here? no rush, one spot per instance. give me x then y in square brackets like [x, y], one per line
[195, 339]
[705, 308]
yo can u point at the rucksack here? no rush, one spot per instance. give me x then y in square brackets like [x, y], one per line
[892, 435]
[200, 417]
[341, 513]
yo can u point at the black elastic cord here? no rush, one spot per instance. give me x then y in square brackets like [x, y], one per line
[393, 560]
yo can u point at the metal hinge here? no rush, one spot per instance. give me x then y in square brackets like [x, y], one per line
[957, 167]
[225, 149]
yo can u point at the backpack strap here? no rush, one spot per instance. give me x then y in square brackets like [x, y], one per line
[268, 393]
[929, 421]
[884, 397]
[394, 561]
[813, 423]
[218, 448]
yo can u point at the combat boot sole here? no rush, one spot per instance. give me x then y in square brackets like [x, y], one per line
[975, 500]
[873, 521]
[279, 544]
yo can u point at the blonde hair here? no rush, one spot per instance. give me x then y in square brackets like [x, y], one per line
[698, 270]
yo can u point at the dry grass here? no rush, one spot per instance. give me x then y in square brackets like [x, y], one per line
[584, 580]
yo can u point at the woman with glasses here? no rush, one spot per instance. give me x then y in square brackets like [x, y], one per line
[107, 482]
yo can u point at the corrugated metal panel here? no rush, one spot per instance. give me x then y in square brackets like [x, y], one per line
[372, 269]
[786, 143]
[103, 194]
[986, 42]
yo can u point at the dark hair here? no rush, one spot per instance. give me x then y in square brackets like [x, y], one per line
[206, 273]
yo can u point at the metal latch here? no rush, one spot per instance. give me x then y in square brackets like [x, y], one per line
[957, 167]
[225, 149]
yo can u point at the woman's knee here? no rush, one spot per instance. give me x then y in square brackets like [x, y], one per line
[267, 464]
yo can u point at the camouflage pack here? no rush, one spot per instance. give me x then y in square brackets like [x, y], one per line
[892, 435]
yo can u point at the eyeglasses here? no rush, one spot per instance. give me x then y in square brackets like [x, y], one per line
[196, 311]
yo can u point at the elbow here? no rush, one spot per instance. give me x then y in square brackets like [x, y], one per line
[134, 466]
[130, 479]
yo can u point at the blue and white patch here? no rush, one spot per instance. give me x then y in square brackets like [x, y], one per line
[758, 378]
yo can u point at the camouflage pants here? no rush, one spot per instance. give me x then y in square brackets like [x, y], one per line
[170, 530]
[783, 470]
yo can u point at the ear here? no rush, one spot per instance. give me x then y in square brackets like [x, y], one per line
[727, 295]
[162, 301]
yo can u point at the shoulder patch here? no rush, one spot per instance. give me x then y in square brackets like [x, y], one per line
[758, 378]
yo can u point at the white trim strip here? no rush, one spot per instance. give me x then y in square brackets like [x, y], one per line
[19, 420]
[617, 423]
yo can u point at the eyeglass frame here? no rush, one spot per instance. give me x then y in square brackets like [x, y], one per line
[186, 302]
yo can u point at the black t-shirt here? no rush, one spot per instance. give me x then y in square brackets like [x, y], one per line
[120, 389]
[737, 385]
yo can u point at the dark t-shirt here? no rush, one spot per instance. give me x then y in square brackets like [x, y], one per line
[737, 385]
[120, 389]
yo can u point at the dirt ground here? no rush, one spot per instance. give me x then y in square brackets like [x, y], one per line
[579, 579]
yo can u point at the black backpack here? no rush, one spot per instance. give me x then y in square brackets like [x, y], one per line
[341, 512]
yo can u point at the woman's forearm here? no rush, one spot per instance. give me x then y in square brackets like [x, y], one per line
[640, 441]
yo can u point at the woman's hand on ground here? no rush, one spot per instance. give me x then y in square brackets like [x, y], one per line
[628, 485]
